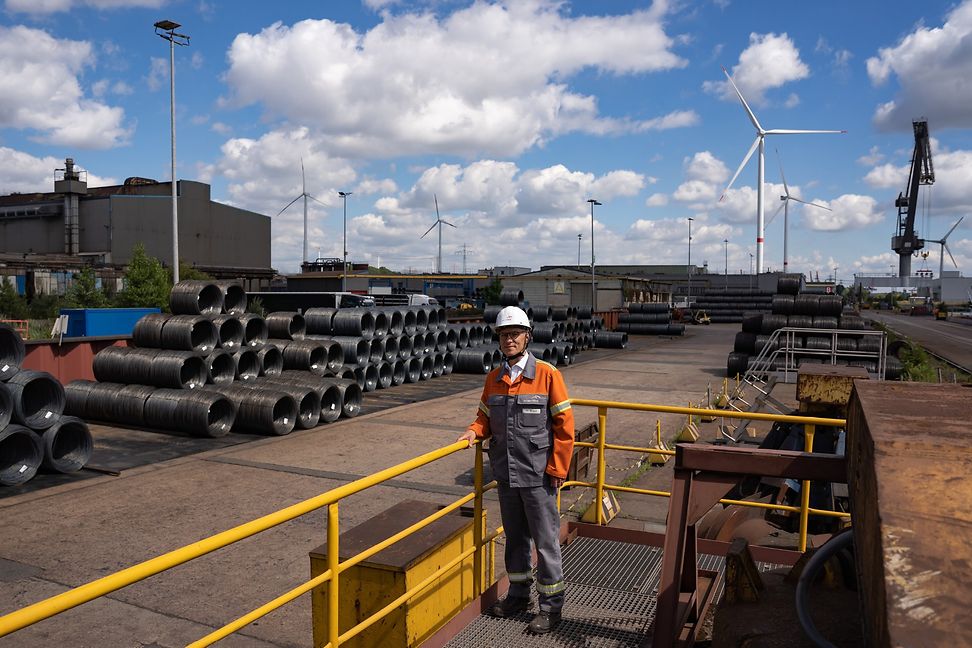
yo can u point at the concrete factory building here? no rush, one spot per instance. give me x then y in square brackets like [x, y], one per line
[76, 225]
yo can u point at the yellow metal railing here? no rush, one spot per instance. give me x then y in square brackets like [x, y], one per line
[331, 499]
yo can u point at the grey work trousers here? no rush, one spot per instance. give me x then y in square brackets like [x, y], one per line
[532, 513]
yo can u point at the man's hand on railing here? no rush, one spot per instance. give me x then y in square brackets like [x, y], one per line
[556, 482]
[468, 436]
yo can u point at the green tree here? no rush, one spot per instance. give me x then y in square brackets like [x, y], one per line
[147, 283]
[12, 305]
[190, 273]
[44, 306]
[84, 292]
[491, 293]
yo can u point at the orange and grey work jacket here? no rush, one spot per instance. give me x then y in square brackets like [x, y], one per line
[529, 423]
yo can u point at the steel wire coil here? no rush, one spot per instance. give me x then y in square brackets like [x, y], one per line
[451, 339]
[419, 347]
[448, 362]
[76, 398]
[745, 342]
[247, 364]
[353, 322]
[783, 304]
[846, 344]
[381, 323]
[317, 321]
[189, 333]
[437, 365]
[201, 413]
[421, 319]
[490, 313]
[547, 332]
[496, 359]
[376, 350]
[440, 341]
[431, 317]
[648, 307]
[477, 334]
[286, 325]
[307, 398]
[328, 393]
[799, 321]
[266, 411]
[220, 367]
[443, 317]
[893, 368]
[646, 329]
[804, 304]
[462, 336]
[234, 297]
[38, 399]
[196, 298]
[824, 322]
[644, 318]
[788, 285]
[474, 360]
[356, 351]
[306, 355]
[584, 312]
[869, 344]
[370, 374]
[147, 332]
[12, 351]
[737, 364]
[404, 346]
[829, 305]
[229, 331]
[21, 454]
[271, 360]
[425, 369]
[817, 342]
[760, 343]
[255, 333]
[389, 349]
[413, 369]
[771, 323]
[398, 372]
[408, 322]
[542, 313]
[511, 297]
[385, 371]
[560, 313]
[67, 445]
[852, 323]
[6, 406]
[396, 321]
[431, 340]
[542, 352]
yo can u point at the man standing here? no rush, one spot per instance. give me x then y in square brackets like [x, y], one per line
[526, 414]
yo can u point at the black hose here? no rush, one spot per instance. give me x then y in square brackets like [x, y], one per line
[843, 539]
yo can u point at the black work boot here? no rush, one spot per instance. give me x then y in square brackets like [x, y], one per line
[510, 606]
[544, 622]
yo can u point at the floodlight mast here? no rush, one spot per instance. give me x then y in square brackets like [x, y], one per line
[166, 30]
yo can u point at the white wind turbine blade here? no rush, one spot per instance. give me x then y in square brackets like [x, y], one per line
[752, 149]
[790, 131]
[945, 245]
[430, 229]
[777, 212]
[316, 200]
[786, 189]
[447, 223]
[752, 115]
[812, 204]
[436, 199]
[303, 180]
[290, 203]
[953, 229]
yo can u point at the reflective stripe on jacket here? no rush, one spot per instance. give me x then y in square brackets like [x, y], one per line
[530, 424]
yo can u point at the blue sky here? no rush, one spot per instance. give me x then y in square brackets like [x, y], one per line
[512, 114]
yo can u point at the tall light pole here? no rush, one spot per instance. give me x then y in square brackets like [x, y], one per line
[593, 288]
[579, 237]
[835, 275]
[166, 29]
[725, 242]
[750, 271]
[344, 265]
[688, 296]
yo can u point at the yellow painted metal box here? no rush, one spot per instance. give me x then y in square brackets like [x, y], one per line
[826, 385]
[371, 585]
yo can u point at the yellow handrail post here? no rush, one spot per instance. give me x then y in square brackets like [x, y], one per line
[601, 465]
[478, 522]
[333, 560]
[808, 431]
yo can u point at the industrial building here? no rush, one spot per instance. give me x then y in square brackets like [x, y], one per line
[44, 237]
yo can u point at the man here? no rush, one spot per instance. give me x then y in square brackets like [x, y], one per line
[526, 414]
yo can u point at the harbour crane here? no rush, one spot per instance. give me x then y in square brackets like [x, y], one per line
[906, 241]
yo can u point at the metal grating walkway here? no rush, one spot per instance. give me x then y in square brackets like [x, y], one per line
[610, 602]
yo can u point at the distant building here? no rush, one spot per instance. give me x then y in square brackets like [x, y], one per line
[504, 271]
[44, 235]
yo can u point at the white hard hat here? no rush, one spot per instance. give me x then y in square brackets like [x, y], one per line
[512, 316]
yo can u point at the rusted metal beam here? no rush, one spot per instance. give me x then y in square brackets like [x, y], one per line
[767, 463]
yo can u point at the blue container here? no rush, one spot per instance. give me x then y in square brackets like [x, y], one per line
[94, 322]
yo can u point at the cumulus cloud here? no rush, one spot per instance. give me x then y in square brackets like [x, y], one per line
[40, 91]
[419, 83]
[873, 157]
[657, 200]
[848, 212]
[953, 175]
[704, 176]
[770, 61]
[158, 74]
[932, 66]
[24, 173]
[56, 6]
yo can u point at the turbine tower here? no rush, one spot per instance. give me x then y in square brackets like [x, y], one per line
[944, 248]
[760, 143]
[438, 223]
[786, 198]
[303, 194]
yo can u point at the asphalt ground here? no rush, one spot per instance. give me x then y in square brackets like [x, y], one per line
[170, 491]
[950, 339]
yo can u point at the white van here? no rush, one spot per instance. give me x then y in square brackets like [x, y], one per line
[422, 300]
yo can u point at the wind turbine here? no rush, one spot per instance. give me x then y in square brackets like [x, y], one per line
[303, 194]
[759, 142]
[786, 198]
[944, 248]
[438, 223]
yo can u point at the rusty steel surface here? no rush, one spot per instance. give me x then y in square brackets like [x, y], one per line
[909, 460]
[69, 359]
[950, 340]
[826, 385]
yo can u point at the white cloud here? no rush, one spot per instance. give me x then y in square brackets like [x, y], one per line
[221, 128]
[770, 61]
[848, 212]
[121, 88]
[657, 200]
[873, 157]
[419, 83]
[953, 175]
[376, 186]
[158, 74]
[887, 175]
[196, 60]
[40, 91]
[56, 6]
[792, 101]
[705, 174]
[932, 66]
[24, 173]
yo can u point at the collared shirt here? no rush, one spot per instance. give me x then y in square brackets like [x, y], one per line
[517, 368]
